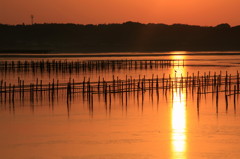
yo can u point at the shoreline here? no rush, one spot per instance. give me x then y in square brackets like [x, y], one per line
[118, 54]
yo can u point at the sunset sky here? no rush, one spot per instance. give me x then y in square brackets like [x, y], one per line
[196, 12]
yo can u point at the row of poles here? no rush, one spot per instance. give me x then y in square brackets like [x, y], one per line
[78, 66]
[208, 83]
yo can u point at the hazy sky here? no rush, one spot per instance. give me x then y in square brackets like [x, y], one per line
[197, 12]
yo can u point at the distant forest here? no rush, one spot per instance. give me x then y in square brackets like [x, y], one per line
[126, 37]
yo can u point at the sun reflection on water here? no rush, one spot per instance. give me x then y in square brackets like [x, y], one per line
[179, 123]
[178, 126]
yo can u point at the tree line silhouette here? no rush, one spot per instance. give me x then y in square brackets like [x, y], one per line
[126, 37]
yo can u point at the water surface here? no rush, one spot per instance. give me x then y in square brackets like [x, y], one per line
[134, 125]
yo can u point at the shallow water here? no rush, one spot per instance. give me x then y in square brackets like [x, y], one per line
[131, 125]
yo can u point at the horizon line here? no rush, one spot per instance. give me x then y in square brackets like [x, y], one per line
[23, 24]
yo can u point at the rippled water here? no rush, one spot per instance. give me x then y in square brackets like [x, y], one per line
[133, 124]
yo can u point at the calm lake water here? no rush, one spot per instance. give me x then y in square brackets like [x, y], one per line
[130, 125]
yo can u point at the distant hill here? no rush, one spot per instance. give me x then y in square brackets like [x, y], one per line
[126, 37]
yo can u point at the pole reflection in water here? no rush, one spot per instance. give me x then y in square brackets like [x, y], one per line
[179, 123]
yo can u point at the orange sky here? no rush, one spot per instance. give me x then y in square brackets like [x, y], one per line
[197, 12]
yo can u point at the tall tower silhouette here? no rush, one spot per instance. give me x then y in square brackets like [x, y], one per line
[32, 19]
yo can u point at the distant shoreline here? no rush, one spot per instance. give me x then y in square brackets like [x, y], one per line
[118, 54]
[110, 38]
[30, 51]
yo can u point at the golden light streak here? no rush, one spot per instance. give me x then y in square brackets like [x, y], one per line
[179, 123]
